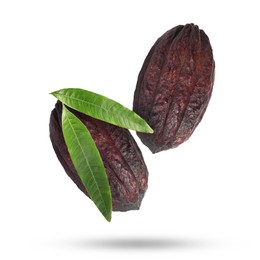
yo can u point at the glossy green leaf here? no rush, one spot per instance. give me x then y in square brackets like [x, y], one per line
[87, 161]
[102, 108]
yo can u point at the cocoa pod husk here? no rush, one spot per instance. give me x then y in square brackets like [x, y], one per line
[174, 86]
[123, 161]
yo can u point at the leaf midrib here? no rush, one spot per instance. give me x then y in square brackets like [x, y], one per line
[81, 148]
[83, 101]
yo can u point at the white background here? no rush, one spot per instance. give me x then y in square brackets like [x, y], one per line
[203, 198]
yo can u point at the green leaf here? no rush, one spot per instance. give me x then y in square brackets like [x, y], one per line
[87, 161]
[102, 108]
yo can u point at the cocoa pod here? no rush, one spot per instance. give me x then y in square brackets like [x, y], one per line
[122, 158]
[174, 86]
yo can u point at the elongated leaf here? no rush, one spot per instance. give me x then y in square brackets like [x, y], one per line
[87, 161]
[102, 108]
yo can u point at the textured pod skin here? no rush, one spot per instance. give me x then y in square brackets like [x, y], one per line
[123, 160]
[174, 86]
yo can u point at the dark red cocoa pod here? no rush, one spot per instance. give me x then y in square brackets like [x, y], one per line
[122, 158]
[174, 86]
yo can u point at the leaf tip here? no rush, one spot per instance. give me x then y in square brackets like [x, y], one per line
[54, 93]
[107, 215]
[108, 218]
[149, 130]
[145, 129]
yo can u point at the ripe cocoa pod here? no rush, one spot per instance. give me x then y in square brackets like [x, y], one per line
[122, 158]
[174, 86]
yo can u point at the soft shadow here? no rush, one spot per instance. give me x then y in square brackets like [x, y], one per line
[138, 243]
[144, 243]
